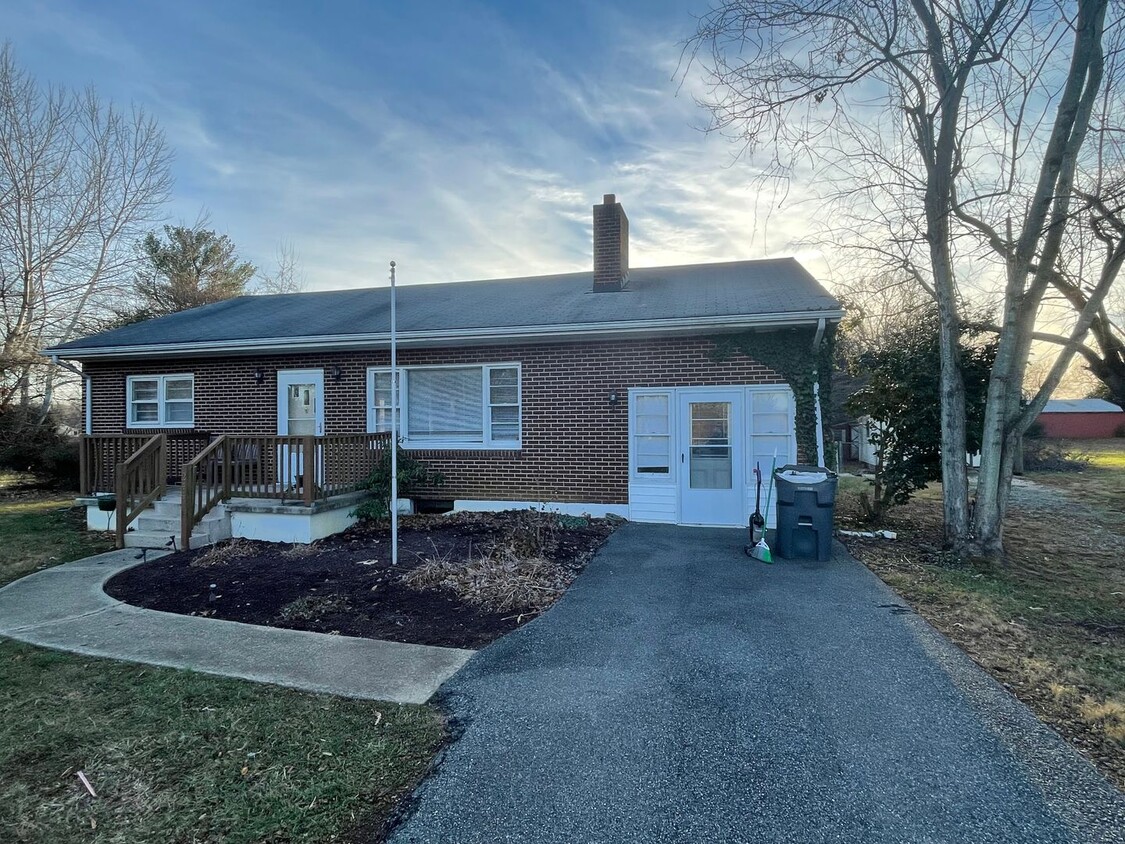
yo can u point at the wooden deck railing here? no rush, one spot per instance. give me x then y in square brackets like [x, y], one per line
[99, 454]
[98, 458]
[298, 469]
[139, 482]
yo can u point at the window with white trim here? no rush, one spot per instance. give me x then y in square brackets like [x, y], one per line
[771, 429]
[160, 401]
[379, 401]
[652, 435]
[449, 406]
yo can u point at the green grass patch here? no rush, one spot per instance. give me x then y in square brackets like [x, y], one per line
[176, 756]
[38, 531]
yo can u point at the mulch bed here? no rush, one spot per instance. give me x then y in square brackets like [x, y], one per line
[346, 585]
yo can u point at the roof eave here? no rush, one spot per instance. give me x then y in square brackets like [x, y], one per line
[454, 337]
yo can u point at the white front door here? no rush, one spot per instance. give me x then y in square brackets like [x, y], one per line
[300, 406]
[711, 457]
[300, 413]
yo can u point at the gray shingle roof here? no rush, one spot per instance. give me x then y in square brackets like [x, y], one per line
[1080, 406]
[712, 296]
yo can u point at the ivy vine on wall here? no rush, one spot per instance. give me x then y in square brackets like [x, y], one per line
[789, 352]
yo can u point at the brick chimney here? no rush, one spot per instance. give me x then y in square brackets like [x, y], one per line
[611, 246]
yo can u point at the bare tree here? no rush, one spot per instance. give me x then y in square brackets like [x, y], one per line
[286, 278]
[78, 180]
[953, 133]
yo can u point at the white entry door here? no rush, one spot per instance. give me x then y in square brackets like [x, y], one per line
[711, 457]
[300, 413]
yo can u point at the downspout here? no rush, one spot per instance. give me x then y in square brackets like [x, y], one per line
[89, 426]
[817, 339]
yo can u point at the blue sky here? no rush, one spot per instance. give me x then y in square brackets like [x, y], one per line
[461, 139]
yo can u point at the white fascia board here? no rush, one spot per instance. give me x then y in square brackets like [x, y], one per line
[455, 337]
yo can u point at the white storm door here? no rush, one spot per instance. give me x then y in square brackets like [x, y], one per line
[711, 458]
[300, 413]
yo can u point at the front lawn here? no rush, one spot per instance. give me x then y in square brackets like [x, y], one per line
[41, 529]
[1049, 622]
[176, 756]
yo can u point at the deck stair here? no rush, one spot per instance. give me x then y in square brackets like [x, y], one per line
[159, 525]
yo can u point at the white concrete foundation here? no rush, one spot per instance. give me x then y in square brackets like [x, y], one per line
[284, 523]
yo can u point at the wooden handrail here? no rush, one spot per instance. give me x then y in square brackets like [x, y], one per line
[206, 482]
[139, 481]
[295, 468]
[99, 455]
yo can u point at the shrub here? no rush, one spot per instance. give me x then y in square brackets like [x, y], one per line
[26, 445]
[412, 475]
[1047, 456]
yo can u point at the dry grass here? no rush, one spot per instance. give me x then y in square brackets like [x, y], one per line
[512, 574]
[1049, 622]
[223, 552]
[310, 607]
[297, 551]
[498, 582]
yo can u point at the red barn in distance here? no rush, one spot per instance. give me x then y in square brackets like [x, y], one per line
[1082, 419]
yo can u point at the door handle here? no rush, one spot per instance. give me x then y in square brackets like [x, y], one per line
[681, 457]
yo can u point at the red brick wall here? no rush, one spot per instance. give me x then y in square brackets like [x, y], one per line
[1081, 426]
[575, 444]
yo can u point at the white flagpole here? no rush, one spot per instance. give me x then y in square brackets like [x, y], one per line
[394, 427]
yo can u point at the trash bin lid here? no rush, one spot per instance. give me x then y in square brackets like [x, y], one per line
[795, 477]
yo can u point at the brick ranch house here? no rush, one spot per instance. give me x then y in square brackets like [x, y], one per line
[595, 393]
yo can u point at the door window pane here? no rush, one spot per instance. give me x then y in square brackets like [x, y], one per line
[775, 402]
[771, 423]
[302, 410]
[652, 443]
[710, 452]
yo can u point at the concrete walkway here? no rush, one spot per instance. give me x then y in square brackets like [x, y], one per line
[65, 608]
[682, 693]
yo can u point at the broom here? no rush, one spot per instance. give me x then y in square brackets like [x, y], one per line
[761, 551]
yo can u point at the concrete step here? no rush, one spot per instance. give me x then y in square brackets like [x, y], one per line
[162, 520]
[159, 539]
[156, 525]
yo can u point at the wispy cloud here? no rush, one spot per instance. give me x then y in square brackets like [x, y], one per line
[469, 145]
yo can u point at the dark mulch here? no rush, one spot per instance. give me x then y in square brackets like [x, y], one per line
[345, 584]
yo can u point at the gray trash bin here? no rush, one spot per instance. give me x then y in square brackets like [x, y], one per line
[806, 503]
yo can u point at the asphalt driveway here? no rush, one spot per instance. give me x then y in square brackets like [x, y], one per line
[682, 693]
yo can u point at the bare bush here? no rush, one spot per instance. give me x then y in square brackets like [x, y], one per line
[497, 582]
[223, 552]
[1045, 456]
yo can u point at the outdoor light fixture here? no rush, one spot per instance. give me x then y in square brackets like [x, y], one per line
[613, 398]
[259, 376]
[336, 372]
